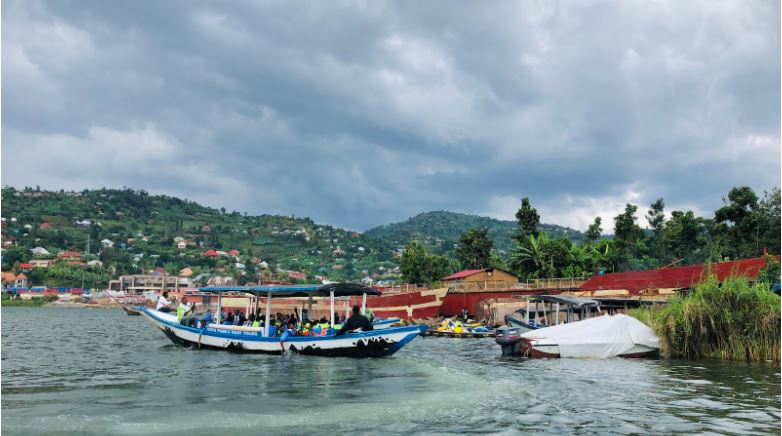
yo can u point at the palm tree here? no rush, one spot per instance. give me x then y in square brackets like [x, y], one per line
[530, 256]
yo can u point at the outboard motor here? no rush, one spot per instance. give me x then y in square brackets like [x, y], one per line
[509, 339]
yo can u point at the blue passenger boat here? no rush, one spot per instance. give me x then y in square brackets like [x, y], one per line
[375, 343]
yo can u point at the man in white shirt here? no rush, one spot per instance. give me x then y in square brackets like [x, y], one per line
[163, 305]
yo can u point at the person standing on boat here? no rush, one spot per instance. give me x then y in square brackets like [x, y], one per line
[355, 322]
[163, 305]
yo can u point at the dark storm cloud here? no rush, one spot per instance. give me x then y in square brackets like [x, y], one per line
[360, 113]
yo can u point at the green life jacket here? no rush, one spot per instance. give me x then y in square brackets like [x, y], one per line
[180, 313]
[256, 324]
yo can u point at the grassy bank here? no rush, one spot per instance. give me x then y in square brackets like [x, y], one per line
[734, 321]
[35, 302]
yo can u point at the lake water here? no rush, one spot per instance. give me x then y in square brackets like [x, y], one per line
[84, 371]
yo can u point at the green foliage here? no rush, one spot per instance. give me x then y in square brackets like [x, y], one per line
[440, 231]
[735, 320]
[527, 219]
[418, 266]
[594, 231]
[474, 251]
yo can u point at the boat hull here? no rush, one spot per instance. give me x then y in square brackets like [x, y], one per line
[376, 343]
[548, 350]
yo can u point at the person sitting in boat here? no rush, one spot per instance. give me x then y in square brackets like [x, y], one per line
[183, 313]
[257, 321]
[250, 321]
[355, 322]
[239, 318]
[208, 317]
[163, 305]
[369, 314]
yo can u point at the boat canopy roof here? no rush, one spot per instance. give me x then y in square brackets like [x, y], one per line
[566, 299]
[314, 290]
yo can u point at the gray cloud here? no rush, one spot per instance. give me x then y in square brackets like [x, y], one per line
[361, 113]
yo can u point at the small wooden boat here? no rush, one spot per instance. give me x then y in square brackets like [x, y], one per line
[131, 311]
[600, 337]
[375, 343]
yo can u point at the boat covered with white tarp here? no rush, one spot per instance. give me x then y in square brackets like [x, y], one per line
[600, 337]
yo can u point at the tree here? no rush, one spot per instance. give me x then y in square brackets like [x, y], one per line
[529, 259]
[768, 217]
[594, 231]
[684, 236]
[656, 219]
[738, 220]
[474, 250]
[418, 266]
[627, 234]
[528, 220]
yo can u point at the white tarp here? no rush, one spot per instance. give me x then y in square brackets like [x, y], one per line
[599, 337]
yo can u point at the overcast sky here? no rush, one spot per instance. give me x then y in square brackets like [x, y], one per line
[362, 113]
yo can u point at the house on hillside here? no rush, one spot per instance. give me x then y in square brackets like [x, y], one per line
[297, 275]
[181, 245]
[25, 266]
[46, 226]
[69, 255]
[106, 243]
[185, 272]
[41, 263]
[39, 251]
[21, 281]
[210, 253]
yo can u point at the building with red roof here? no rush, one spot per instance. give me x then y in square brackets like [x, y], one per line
[233, 252]
[69, 255]
[46, 226]
[25, 265]
[634, 282]
[210, 253]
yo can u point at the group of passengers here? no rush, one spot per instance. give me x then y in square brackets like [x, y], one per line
[280, 325]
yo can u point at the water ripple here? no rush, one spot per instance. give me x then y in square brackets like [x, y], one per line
[103, 372]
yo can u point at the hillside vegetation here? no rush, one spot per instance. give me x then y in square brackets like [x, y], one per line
[145, 231]
[439, 231]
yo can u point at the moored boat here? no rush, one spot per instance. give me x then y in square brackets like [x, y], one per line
[575, 309]
[375, 343]
[600, 337]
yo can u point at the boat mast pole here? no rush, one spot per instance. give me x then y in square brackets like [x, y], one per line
[219, 305]
[268, 313]
[331, 297]
[526, 315]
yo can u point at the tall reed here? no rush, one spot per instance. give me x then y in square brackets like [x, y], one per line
[734, 320]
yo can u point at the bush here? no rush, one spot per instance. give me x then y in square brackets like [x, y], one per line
[736, 321]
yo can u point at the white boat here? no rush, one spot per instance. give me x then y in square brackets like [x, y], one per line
[375, 343]
[600, 337]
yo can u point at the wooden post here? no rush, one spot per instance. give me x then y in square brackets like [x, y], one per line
[331, 297]
[557, 314]
[268, 314]
[364, 303]
[219, 305]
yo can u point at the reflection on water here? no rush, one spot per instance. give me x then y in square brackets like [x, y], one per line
[99, 371]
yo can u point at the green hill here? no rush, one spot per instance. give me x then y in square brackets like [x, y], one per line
[145, 229]
[130, 232]
[440, 230]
